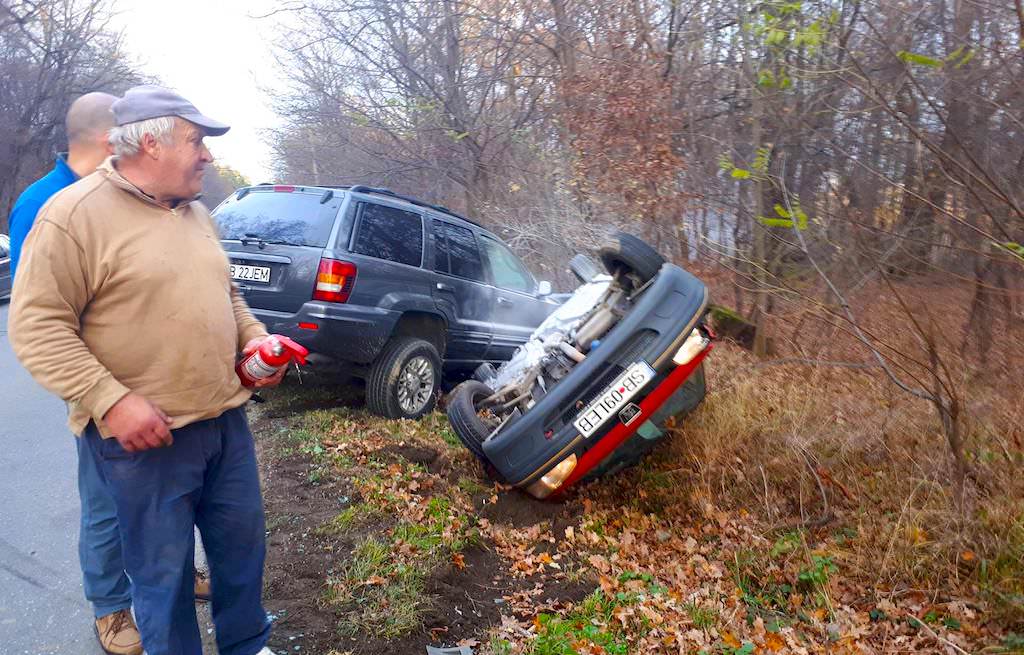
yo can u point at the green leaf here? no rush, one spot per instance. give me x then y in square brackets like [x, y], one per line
[761, 156]
[966, 58]
[781, 211]
[1013, 247]
[746, 649]
[740, 173]
[922, 60]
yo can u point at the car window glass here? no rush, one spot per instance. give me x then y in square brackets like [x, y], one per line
[440, 248]
[389, 233]
[463, 255]
[506, 270]
[293, 218]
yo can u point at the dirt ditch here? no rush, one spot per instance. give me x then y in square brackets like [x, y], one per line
[466, 597]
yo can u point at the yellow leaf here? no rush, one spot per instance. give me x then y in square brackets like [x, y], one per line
[774, 642]
[730, 640]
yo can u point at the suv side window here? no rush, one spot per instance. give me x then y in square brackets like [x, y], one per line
[455, 252]
[388, 233]
[506, 269]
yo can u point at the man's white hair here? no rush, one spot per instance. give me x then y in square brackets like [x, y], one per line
[127, 139]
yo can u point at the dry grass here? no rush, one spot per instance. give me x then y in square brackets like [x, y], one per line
[771, 438]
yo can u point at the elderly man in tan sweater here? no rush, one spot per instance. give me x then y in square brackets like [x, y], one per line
[123, 306]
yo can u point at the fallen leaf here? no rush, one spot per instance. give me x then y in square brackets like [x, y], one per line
[774, 642]
[459, 561]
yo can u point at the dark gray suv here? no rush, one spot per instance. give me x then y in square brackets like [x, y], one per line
[399, 289]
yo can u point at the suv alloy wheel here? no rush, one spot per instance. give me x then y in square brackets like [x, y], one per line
[404, 380]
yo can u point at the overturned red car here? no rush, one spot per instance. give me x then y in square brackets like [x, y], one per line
[594, 388]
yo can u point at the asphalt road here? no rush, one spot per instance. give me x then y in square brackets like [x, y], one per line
[42, 609]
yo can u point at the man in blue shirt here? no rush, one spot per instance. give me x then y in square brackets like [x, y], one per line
[88, 121]
[106, 585]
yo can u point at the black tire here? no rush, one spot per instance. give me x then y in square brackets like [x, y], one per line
[484, 372]
[469, 427]
[384, 384]
[584, 268]
[628, 256]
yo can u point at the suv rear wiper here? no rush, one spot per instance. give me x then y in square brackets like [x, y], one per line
[249, 237]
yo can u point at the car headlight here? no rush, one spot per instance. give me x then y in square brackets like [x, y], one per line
[693, 346]
[553, 479]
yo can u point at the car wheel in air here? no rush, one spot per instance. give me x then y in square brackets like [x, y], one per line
[630, 258]
[404, 380]
[472, 428]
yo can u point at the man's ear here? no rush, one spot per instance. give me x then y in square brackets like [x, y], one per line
[151, 146]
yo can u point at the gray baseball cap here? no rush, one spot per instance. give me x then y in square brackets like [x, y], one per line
[148, 101]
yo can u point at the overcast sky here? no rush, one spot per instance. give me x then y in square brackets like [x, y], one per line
[215, 54]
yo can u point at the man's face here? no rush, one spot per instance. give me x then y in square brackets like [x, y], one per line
[183, 159]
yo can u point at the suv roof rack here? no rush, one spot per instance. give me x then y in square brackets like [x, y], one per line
[360, 188]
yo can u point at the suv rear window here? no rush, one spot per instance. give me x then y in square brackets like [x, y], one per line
[389, 233]
[292, 218]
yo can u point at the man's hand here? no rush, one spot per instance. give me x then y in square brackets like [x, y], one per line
[274, 379]
[138, 424]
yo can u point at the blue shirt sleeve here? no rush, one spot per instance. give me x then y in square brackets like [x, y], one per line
[20, 222]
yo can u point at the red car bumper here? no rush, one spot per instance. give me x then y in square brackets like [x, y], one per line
[620, 433]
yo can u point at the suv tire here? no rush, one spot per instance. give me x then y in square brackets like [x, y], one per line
[404, 379]
[628, 255]
[469, 427]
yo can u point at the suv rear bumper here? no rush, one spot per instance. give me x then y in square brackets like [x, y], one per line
[348, 333]
[652, 331]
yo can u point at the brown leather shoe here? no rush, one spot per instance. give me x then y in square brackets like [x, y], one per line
[118, 634]
[202, 587]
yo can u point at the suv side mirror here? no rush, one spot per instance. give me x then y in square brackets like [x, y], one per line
[543, 289]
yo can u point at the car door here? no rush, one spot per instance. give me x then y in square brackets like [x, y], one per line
[518, 310]
[461, 293]
[5, 266]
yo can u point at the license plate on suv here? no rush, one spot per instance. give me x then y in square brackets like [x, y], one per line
[250, 273]
[613, 398]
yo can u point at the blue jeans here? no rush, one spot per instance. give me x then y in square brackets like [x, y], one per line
[206, 478]
[99, 542]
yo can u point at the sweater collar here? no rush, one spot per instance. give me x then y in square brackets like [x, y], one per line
[109, 169]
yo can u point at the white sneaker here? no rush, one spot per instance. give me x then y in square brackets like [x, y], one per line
[265, 651]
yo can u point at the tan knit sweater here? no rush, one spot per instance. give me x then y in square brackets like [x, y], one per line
[116, 293]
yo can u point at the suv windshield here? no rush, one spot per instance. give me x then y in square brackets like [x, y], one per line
[289, 218]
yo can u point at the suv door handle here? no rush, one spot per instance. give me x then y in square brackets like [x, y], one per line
[441, 286]
[504, 301]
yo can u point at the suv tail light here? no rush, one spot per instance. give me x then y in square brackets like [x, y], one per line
[334, 280]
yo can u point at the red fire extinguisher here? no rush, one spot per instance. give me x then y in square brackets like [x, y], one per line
[275, 352]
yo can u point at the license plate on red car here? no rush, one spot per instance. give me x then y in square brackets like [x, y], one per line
[613, 398]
